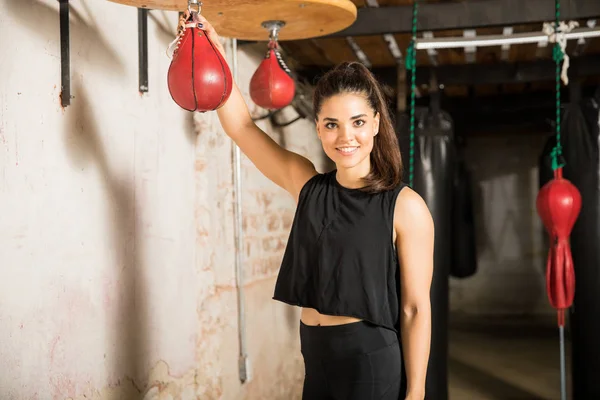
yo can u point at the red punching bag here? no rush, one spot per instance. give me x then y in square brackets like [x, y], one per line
[272, 86]
[199, 79]
[558, 204]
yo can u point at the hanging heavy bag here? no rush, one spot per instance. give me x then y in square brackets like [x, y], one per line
[434, 163]
[272, 86]
[582, 150]
[199, 78]
[464, 247]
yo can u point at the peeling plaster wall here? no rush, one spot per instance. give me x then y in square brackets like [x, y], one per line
[117, 276]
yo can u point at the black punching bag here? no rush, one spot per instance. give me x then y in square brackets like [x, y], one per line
[580, 139]
[464, 248]
[434, 161]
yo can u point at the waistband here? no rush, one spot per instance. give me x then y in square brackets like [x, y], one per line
[325, 330]
[343, 340]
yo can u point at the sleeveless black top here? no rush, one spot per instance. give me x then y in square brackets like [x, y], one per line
[340, 258]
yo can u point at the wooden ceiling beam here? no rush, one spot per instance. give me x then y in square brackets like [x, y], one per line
[479, 74]
[465, 15]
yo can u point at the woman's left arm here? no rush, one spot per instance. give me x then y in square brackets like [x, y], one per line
[414, 228]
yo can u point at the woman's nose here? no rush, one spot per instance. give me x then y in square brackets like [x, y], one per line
[344, 132]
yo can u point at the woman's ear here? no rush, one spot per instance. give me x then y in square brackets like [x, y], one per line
[318, 129]
[376, 124]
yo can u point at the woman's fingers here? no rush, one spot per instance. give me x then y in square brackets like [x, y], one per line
[207, 26]
[211, 32]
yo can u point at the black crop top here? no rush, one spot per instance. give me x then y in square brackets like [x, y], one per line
[340, 258]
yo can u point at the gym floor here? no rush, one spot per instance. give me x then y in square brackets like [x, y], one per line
[505, 359]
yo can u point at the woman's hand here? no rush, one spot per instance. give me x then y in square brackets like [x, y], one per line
[212, 34]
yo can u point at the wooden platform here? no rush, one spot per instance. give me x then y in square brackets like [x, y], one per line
[242, 19]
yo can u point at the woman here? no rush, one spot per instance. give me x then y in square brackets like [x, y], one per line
[359, 259]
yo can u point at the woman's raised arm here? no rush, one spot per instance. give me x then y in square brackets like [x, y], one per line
[287, 169]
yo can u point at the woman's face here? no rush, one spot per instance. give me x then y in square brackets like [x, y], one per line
[346, 126]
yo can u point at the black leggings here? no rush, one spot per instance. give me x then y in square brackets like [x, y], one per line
[356, 361]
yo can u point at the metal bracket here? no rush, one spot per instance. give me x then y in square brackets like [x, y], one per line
[194, 3]
[273, 27]
[143, 49]
[65, 66]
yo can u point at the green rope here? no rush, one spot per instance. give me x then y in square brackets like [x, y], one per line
[410, 61]
[558, 56]
[411, 64]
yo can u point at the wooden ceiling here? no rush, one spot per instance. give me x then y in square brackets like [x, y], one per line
[486, 89]
[306, 56]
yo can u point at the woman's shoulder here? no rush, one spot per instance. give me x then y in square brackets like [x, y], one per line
[411, 209]
[312, 183]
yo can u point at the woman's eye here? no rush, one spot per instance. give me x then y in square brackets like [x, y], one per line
[360, 122]
[330, 125]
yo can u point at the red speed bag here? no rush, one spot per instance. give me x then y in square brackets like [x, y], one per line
[199, 78]
[558, 204]
[272, 86]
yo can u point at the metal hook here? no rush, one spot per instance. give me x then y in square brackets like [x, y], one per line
[197, 4]
[273, 27]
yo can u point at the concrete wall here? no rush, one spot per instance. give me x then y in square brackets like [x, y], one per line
[117, 275]
[510, 238]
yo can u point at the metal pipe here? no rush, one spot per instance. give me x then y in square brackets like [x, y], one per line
[499, 40]
[563, 368]
[244, 369]
[65, 57]
[143, 49]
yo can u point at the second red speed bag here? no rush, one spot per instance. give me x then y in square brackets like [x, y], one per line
[199, 78]
[272, 86]
[558, 204]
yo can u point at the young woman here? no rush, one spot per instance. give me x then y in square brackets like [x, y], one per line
[359, 259]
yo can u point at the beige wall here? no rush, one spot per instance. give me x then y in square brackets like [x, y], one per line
[117, 275]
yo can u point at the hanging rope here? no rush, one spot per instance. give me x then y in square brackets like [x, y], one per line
[558, 56]
[556, 35]
[411, 65]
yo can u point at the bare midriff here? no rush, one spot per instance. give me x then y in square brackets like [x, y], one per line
[312, 317]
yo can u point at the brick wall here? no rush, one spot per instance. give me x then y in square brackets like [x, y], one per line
[268, 211]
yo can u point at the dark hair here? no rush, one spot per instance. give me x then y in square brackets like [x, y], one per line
[386, 160]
